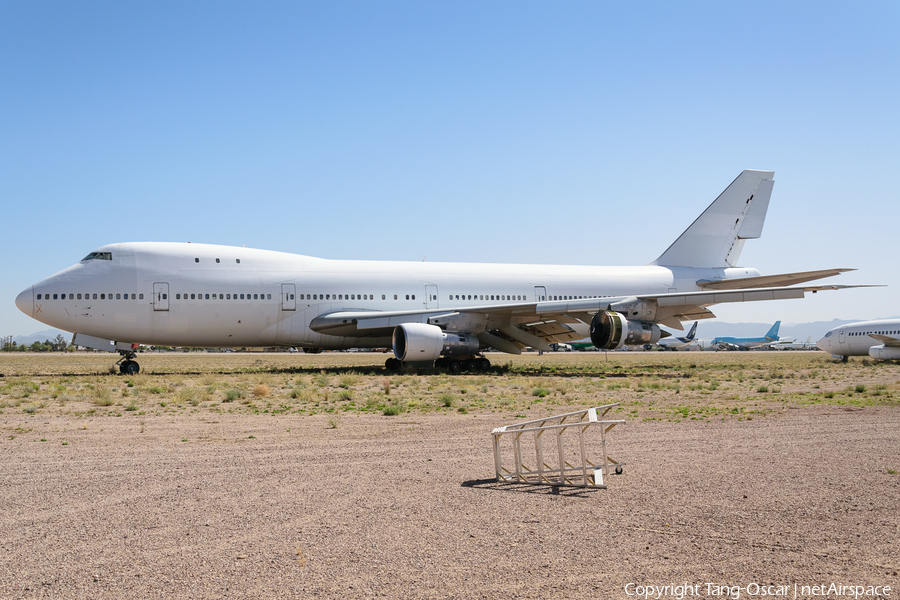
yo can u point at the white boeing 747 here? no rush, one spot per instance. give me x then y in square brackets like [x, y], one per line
[183, 294]
[878, 339]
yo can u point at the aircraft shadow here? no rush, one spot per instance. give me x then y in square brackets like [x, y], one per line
[491, 484]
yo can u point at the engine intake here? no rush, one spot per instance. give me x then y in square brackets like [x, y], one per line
[610, 330]
[416, 342]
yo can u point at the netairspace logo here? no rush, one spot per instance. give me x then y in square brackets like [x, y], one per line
[755, 590]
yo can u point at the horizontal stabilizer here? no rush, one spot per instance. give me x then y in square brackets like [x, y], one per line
[768, 280]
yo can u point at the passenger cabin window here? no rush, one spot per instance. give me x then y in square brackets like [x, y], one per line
[237, 260]
[217, 260]
[196, 260]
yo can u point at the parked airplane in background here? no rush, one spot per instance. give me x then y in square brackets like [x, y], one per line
[183, 294]
[745, 343]
[878, 339]
[674, 343]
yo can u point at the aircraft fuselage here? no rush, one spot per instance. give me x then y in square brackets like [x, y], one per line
[183, 294]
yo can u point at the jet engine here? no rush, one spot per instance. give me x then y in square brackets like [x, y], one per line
[884, 352]
[416, 342]
[610, 330]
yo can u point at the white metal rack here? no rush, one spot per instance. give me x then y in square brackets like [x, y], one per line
[572, 467]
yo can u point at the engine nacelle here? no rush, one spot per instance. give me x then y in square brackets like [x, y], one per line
[884, 352]
[611, 330]
[414, 342]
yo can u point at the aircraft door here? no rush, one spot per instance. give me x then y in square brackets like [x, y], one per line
[160, 299]
[841, 340]
[540, 293]
[288, 297]
[431, 296]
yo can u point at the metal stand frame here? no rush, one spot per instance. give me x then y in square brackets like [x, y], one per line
[587, 474]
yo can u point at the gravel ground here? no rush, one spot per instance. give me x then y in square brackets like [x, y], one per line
[283, 506]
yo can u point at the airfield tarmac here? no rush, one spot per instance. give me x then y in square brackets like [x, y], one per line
[206, 504]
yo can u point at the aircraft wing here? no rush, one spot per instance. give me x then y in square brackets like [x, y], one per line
[538, 324]
[890, 342]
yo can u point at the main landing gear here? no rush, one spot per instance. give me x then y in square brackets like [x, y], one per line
[127, 364]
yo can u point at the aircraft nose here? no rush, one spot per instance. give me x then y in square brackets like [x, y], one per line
[25, 301]
[823, 345]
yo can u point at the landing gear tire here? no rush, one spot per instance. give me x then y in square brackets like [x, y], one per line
[129, 367]
[618, 470]
[393, 364]
[483, 364]
[454, 367]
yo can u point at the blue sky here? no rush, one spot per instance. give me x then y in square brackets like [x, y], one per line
[535, 132]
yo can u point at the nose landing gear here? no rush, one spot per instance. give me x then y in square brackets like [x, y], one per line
[127, 364]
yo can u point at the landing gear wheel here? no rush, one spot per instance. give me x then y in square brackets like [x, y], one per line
[618, 469]
[129, 367]
[454, 367]
[469, 365]
[392, 364]
[483, 364]
[440, 363]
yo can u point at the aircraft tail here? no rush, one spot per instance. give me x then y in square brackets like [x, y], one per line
[715, 239]
[690, 336]
[773, 332]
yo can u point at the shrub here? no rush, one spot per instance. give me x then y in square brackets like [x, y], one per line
[261, 390]
[233, 394]
[392, 410]
[540, 392]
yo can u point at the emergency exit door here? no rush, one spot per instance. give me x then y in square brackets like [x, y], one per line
[288, 298]
[160, 296]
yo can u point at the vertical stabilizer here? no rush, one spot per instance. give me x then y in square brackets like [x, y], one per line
[715, 239]
[773, 333]
[692, 332]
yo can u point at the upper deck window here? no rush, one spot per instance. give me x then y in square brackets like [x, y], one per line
[97, 256]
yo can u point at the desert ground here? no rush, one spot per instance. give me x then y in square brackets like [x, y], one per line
[246, 475]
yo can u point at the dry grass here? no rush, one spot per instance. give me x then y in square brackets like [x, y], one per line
[648, 385]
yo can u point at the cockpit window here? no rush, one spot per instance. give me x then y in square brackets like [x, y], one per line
[97, 256]
[828, 334]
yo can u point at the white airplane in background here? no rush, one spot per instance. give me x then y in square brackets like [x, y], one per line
[183, 294]
[878, 339]
[674, 343]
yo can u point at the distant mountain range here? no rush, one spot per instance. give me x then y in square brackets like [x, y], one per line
[40, 336]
